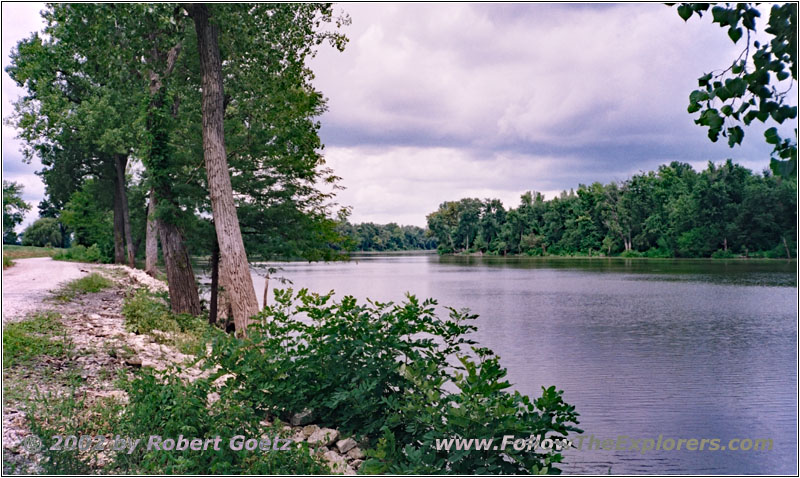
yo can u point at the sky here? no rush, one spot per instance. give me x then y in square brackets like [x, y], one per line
[436, 102]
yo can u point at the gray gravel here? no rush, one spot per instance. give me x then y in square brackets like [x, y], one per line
[29, 281]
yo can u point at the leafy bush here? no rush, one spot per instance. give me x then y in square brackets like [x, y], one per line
[164, 404]
[658, 253]
[723, 254]
[7, 262]
[630, 253]
[81, 253]
[385, 372]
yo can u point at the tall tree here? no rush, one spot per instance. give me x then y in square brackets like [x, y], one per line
[14, 209]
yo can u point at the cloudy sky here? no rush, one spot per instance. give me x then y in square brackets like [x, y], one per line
[435, 102]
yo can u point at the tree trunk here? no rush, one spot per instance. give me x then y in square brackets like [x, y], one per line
[151, 241]
[119, 228]
[725, 244]
[120, 163]
[183, 295]
[235, 270]
[786, 246]
[266, 291]
[212, 310]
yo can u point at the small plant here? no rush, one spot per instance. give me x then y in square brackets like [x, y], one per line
[94, 282]
[40, 335]
[7, 262]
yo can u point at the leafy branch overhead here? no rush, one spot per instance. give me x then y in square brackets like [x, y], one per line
[752, 87]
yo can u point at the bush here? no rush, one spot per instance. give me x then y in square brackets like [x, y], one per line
[630, 253]
[386, 372]
[723, 254]
[7, 262]
[162, 403]
[81, 253]
[658, 253]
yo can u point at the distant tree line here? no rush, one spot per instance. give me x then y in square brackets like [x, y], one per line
[385, 237]
[675, 211]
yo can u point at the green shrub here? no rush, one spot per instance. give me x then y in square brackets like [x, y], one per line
[81, 253]
[385, 372]
[658, 253]
[630, 253]
[7, 262]
[722, 254]
[162, 403]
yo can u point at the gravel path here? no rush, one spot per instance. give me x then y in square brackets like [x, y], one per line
[29, 281]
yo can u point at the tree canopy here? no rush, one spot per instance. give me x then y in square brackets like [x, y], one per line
[753, 86]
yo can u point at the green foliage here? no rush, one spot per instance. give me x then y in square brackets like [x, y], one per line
[385, 372]
[91, 221]
[7, 262]
[14, 208]
[42, 334]
[385, 237]
[672, 212]
[145, 312]
[44, 232]
[164, 404]
[92, 283]
[81, 253]
[723, 254]
[748, 89]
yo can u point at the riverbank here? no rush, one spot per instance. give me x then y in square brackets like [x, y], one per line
[66, 352]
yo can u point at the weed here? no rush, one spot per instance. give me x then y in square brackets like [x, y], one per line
[94, 282]
[42, 334]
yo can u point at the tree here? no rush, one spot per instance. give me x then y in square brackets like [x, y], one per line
[14, 209]
[746, 91]
[44, 232]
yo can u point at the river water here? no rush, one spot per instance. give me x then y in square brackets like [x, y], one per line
[643, 348]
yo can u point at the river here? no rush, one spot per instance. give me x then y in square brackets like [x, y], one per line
[680, 349]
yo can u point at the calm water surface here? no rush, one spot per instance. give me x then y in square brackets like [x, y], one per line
[683, 349]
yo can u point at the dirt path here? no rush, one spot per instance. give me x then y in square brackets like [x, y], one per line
[29, 281]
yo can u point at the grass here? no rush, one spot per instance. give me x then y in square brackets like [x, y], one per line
[11, 252]
[40, 335]
[94, 282]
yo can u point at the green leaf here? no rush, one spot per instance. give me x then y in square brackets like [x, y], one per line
[735, 34]
[771, 135]
[735, 136]
[703, 80]
[720, 15]
[685, 12]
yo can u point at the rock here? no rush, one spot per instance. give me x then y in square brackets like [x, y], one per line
[95, 317]
[349, 470]
[309, 430]
[356, 464]
[323, 437]
[356, 453]
[302, 418]
[213, 397]
[345, 445]
[298, 436]
[134, 362]
[336, 462]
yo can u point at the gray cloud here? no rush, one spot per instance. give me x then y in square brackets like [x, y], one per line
[434, 102]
